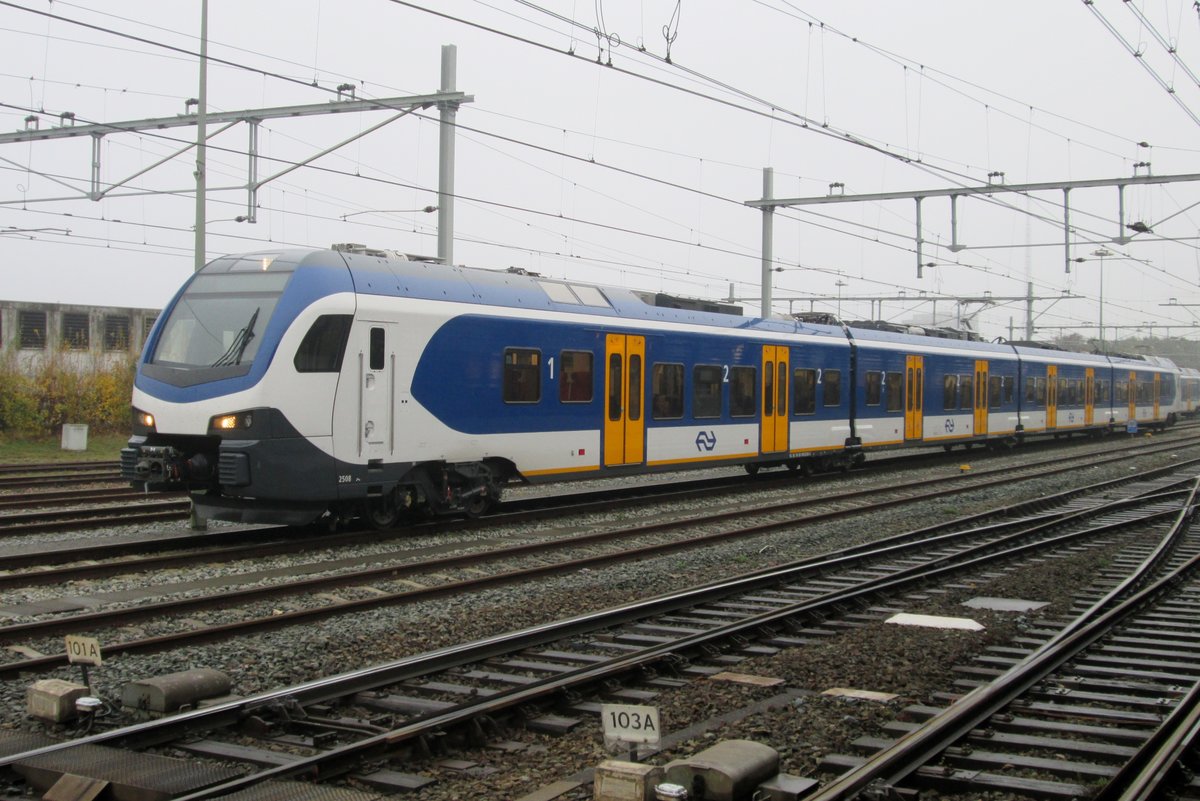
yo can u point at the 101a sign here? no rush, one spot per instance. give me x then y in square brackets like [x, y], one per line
[83, 650]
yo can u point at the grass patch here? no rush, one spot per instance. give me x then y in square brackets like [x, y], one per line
[21, 450]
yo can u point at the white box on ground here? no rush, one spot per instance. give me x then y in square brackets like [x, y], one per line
[74, 437]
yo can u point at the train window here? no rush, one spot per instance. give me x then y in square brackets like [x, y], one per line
[832, 381]
[589, 295]
[804, 391]
[1102, 391]
[614, 387]
[1167, 387]
[1030, 390]
[1122, 392]
[874, 387]
[706, 390]
[950, 392]
[635, 387]
[781, 388]
[322, 347]
[895, 392]
[769, 389]
[1064, 392]
[377, 348]
[743, 384]
[994, 391]
[522, 378]
[666, 388]
[575, 382]
[1039, 389]
[966, 391]
[1008, 384]
[76, 334]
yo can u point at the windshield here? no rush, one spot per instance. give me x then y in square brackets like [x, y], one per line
[219, 320]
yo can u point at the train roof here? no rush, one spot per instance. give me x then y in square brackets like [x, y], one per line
[388, 273]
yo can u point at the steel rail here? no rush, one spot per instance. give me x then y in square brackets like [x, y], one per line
[520, 510]
[893, 764]
[92, 620]
[341, 758]
[331, 688]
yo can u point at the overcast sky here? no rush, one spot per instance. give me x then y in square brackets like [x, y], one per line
[596, 158]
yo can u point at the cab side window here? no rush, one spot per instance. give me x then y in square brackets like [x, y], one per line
[322, 348]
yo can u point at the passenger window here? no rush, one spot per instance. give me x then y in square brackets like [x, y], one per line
[575, 381]
[994, 391]
[522, 376]
[769, 389]
[950, 392]
[322, 348]
[1040, 391]
[1007, 382]
[667, 390]
[874, 387]
[804, 391]
[706, 390]
[743, 383]
[635, 387]
[895, 392]
[832, 381]
[614, 387]
[966, 391]
[377, 347]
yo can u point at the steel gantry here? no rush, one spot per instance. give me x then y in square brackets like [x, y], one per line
[447, 101]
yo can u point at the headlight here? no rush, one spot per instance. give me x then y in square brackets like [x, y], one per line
[143, 422]
[231, 422]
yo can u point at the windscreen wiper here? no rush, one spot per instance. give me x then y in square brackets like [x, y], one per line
[236, 348]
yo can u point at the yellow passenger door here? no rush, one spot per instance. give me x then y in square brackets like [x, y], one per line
[774, 429]
[981, 397]
[914, 397]
[624, 391]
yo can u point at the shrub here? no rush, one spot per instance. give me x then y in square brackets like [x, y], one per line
[36, 401]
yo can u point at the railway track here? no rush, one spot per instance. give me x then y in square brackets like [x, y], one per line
[461, 570]
[1109, 700]
[656, 643]
[20, 567]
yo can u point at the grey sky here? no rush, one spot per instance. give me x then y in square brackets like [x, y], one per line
[632, 174]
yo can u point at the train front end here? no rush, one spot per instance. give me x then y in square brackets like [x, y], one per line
[222, 407]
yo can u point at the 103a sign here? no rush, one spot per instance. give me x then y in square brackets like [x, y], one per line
[630, 724]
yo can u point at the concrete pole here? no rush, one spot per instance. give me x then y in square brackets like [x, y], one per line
[198, 523]
[446, 158]
[768, 240]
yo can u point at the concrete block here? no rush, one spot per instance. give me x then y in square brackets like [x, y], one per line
[616, 780]
[53, 699]
[175, 691]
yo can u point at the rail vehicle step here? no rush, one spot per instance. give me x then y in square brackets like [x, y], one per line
[130, 776]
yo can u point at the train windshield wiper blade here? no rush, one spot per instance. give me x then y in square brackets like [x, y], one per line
[236, 348]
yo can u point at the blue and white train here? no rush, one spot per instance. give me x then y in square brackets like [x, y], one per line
[292, 385]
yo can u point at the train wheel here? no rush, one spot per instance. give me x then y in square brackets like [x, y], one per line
[382, 512]
[752, 469]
